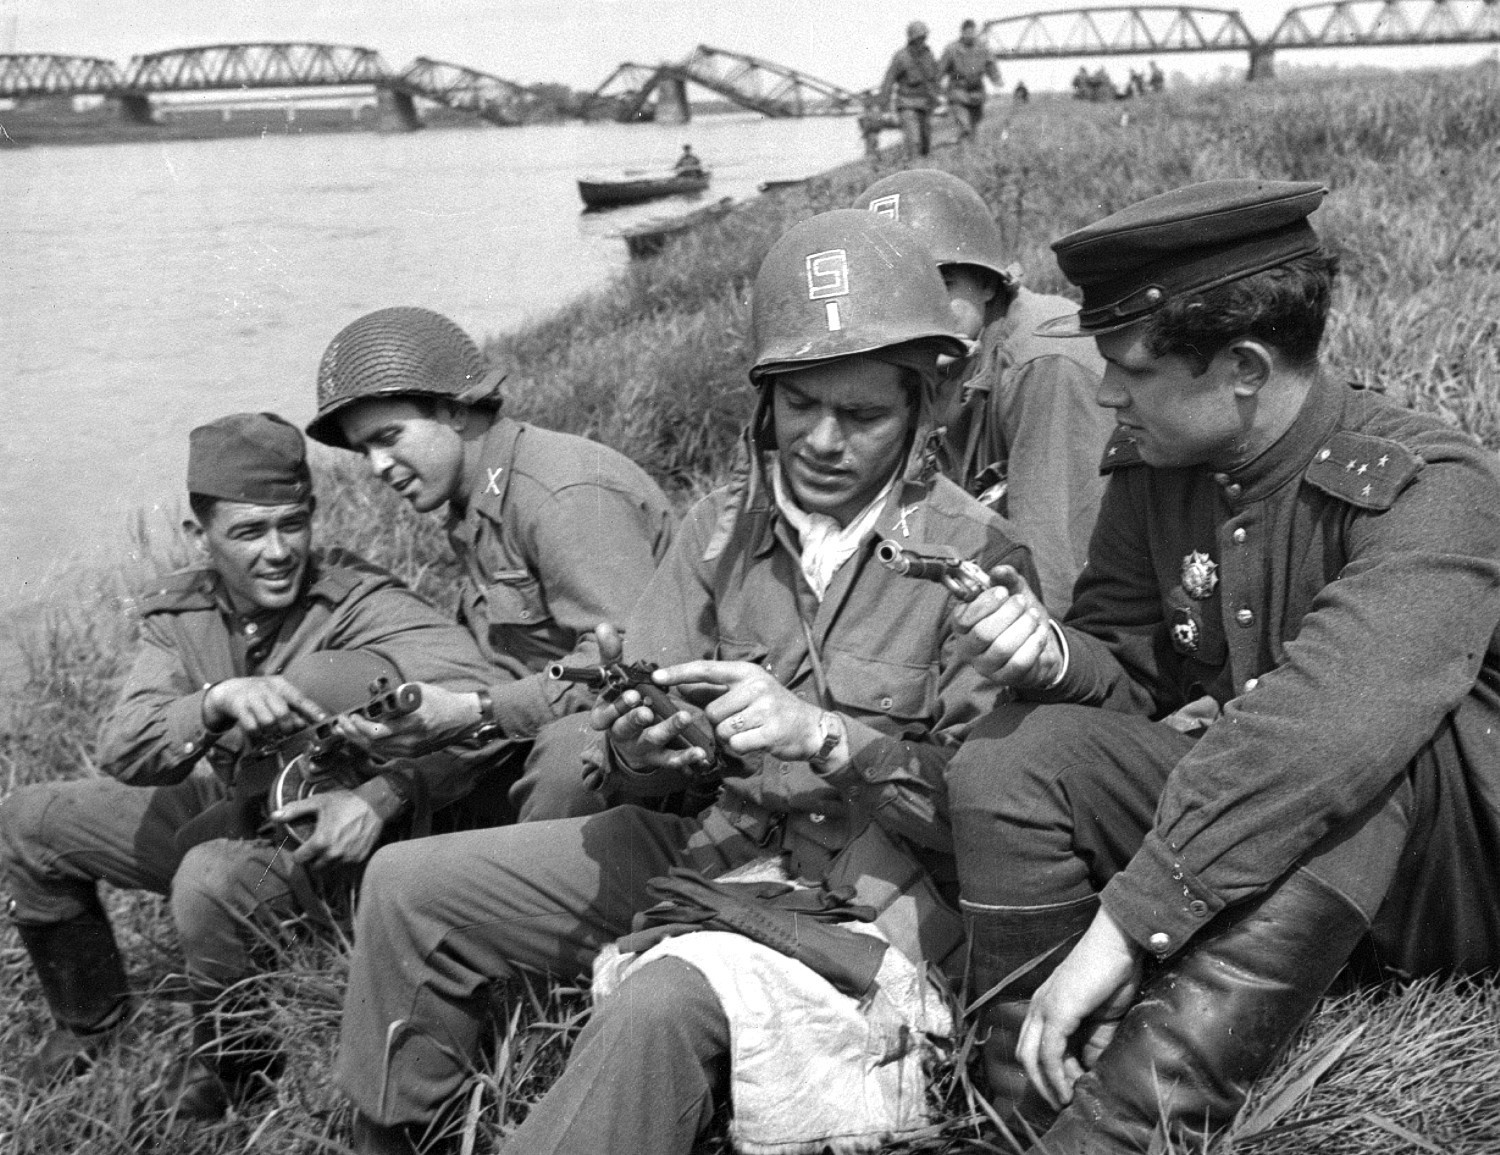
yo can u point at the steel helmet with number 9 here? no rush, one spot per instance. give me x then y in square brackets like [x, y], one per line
[951, 218]
[844, 283]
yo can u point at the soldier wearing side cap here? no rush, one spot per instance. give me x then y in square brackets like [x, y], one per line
[555, 533]
[912, 79]
[1265, 742]
[261, 640]
[834, 700]
[1023, 430]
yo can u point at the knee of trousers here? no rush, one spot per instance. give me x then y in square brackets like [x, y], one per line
[1016, 758]
[26, 850]
[552, 784]
[215, 894]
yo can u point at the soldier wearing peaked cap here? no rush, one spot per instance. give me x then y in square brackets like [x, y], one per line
[262, 639]
[1265, 741]
[834, 700]
[555, 533]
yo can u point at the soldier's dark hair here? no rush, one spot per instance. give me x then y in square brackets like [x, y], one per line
[1286, 307]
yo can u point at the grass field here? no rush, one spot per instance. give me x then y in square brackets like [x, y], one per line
[655, 364]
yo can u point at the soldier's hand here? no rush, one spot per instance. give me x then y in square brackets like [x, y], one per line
[1005, 634]
[443, 718]
[641, 740]
[752, 712]
[1075, 1013]
[345, 831]
[264, 708]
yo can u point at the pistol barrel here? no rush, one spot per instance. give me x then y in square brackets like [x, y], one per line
[909, 563]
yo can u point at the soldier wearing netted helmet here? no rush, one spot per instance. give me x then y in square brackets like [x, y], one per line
[827, 684]
[554, 532]
[1023, 427]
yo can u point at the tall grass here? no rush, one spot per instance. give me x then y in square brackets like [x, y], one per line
[654, 364]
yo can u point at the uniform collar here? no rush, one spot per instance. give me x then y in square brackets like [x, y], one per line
[1293, 452]
[497, 461]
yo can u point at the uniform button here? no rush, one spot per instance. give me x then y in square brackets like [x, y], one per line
[887, 703]
[1251, 683]
[1197, 908]
[1234, 490]
[1244, 617]
[524, 615]
[1221, 479]
[1159, 942]
[1324, 454]
[187, 747]
[250, 629]
[815, 816]
[1239, 537]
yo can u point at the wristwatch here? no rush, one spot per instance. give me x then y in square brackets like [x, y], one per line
[832, 727]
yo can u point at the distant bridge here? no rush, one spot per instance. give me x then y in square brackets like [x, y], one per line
[241, 67]
[1158, 29]
[748, 81]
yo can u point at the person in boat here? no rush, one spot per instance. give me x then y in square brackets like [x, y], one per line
[688, 164]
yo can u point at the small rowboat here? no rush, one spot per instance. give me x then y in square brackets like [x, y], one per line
[607, 192]
[647, 239]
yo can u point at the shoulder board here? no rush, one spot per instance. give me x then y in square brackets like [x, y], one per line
[179, 592]
[341, 572]
[1119, 452]
[1362, 469]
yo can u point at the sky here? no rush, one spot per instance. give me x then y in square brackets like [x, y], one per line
[579, 42]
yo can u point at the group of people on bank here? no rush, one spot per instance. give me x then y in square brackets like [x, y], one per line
[1209, 717]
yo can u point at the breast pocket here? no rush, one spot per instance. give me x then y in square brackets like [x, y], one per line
[514, 598]
[894, 697]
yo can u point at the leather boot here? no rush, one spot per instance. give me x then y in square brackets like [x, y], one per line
[1003, 941]
[228, 1065]
[1210, 1022]
[83, 981]
[372, 1138]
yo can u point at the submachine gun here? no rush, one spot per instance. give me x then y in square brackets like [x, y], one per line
[609, 682]
[964, 578]
[314, 760]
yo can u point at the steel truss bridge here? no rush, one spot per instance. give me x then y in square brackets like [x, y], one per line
[242, 67]
[634, 92]
[1158, 29]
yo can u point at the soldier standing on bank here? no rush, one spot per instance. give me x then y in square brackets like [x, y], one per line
[912, 79]
[963, 68]
[1265, 741]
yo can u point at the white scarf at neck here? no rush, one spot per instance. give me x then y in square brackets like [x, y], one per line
[826, 545]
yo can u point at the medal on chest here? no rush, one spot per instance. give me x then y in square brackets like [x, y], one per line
[1186, 632]
[1200, 575]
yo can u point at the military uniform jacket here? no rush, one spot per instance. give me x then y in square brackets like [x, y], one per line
[1030, 419]
[966, 66]
[559, 534]
[913, 74]
[189, 640]
[878, 649]
[1338, 597]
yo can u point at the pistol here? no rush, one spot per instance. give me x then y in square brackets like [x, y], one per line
[612, 680]
[963, 577]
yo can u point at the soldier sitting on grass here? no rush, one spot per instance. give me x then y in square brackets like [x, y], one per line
[263, 639]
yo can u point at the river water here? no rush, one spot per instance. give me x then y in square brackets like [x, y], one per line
[147, 288]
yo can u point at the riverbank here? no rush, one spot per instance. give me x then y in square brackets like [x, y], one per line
[654, 364]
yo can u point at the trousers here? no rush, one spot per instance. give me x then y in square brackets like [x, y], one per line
[440, 919]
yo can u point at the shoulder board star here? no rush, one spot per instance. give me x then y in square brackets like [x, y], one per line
[1341, 468]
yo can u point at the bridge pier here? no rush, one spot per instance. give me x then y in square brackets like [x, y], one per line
[672, 101]
[398, 111]
[1262, 63]
[136, 108]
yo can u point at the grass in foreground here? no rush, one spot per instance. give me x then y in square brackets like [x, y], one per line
[654, 364]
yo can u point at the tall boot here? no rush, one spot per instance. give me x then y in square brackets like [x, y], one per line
[232, 1061]
[1210, 1022]
[83, 980]
[1002, 941]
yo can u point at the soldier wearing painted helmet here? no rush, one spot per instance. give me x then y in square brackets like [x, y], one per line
[1266, 739]
[829, 685]
[912, 85]
[263, 638]
[1024, 430]
[553, 532]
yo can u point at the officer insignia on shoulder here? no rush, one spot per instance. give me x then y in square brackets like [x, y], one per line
[1363, 470]
[1120, 452]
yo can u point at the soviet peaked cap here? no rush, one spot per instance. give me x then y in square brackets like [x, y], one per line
[257, 458]
[1185, 241]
